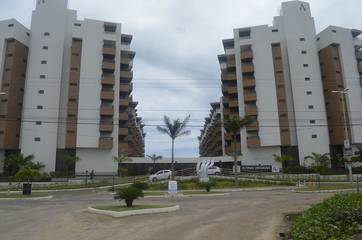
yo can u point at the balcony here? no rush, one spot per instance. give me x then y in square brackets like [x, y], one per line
[108, 79]
[123, 116]
[125, 88]
[105, 143]
[253, 127]
[228, 77]
[253, 141]
[107, 95]
[71, 140]
[109, 50]
[247, 68]
[126, 75]
[359, 55]
[249, 96]
[124, 102]
[230, 63]
[251, 111]
[126, 60]
[123, 147]
[109, 65]
[249, 82]
[233, 103]
[233, 90]
[247, 55]
[106, 127]
[107, 111]
[123, 131]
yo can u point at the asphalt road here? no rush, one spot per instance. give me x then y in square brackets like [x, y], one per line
[244, 215]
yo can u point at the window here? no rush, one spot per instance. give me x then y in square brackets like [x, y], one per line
[37, 139]
[4, 100]
[73, 84]
[307, 79]
[305, 65]
[10, 55]
[309, 92]
[312, 121]
[38, 123]
[334, 31]
[278, 58]
[338, 71]
[310, 107]
[28, 34]
[281, 86]
[39, 107]
[46, 34]
[11, 25]
[275, 30]
[281, 100]
[285, 130]
[318, 39]
[41, 91]
[45, 47]
[279, 71]
[302, 39]
[314, 136]
[304, 52]
[7, 69]
[42, 76]
[75, 54]
[77, 24]
[44, 62]
[72, 99]
[74, 69]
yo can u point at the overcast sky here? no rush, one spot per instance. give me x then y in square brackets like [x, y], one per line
[176, 71]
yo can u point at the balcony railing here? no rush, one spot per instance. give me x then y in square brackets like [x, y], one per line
[247, 68]
[359, 55]
[249, 82]
[105, 143]
[253, 127]
[108, 79]
[253, 141]
[249, 96]
[106, 127]
[110, 65]
[107, 95]
[123, 131]
[107, 111]
[251, 111]
[246, 55]
[109, 50]
[123, 117]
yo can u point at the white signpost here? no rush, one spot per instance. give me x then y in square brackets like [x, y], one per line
[172, 187]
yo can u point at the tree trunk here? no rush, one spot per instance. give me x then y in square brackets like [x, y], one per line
[172, 160]
[129, 202]
[235, 162]
[350, 174]
[154, 166]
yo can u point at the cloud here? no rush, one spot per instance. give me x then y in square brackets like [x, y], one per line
[177, 42]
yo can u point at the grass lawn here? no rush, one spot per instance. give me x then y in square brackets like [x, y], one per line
[330, 187]
[154, 193]
[19, 195]
[124, 208]
[200, 192]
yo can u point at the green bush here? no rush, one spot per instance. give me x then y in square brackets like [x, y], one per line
[207, 185]
[338, 218]
[141, 185]
[128, 195]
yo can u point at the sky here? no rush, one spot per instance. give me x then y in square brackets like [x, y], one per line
[176, 71]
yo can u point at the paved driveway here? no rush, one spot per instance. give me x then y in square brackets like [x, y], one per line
[244, 215]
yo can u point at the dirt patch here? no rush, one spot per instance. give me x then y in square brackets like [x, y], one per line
[283, 231]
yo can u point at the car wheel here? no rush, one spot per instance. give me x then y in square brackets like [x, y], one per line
[154, 179]
[217, 173]
[169, 177]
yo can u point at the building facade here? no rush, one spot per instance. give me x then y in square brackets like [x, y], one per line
[281, 77]
[77, 92]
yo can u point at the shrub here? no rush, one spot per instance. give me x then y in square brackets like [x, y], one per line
[141, 185]
[128, 195]
[207, 185]
[339, 217]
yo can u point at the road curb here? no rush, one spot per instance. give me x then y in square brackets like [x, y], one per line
[326, 191]
[27, 199]
[181, 195]
[260, 189]
[134, 212]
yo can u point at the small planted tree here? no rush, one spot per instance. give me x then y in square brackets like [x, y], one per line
[207, 185]
[174, 129]
[120, 160]
[70, 161]
[13, 163]
[27, 174]
[320, 161]
[154, 158]
[283, 159]
[233, 126]
[128, 194]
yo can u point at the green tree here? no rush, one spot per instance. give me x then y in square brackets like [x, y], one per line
[13, 163]
[120, 160]
[233, 126]
[27, 173]
[174, 129]
[128, 194]
[69, 162]
[283, 159]
[154, 158]
[320, 161]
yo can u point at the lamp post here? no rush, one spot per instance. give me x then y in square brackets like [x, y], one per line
[347, 150]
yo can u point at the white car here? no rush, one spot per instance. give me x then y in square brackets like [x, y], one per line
[214, 170]
[160, 175]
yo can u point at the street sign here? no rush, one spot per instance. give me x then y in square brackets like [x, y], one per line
[172, 187]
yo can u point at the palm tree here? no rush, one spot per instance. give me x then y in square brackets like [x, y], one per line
[154, 158]
[70, 161]
[174, 129]
[13, 163]
[282, 158]
[121, 159]
[321, 161]
[233, 126]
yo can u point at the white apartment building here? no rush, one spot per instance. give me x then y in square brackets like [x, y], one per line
[273, 75]
[77, 93]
